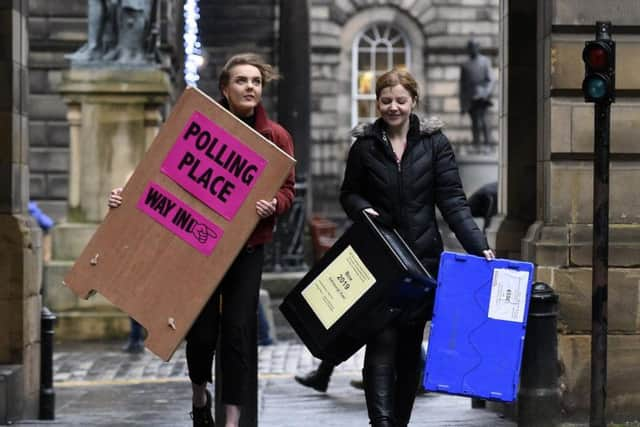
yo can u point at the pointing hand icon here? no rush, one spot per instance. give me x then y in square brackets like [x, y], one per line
[202, 233]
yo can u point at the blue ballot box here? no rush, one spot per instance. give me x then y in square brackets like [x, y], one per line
[478, 328]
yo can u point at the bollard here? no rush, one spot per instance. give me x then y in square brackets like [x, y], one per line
[47, 408]
[539, 395]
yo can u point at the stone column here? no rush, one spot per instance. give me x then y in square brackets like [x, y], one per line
[518, 127]
[560, 241]
[74, 116]
[20, 239]
[114, 114]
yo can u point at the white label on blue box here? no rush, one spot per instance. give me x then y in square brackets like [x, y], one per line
[508, 294]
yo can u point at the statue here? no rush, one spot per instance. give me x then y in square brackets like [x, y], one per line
[476, 87]
[119, 32]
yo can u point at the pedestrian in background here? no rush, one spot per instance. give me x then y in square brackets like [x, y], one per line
[46, 223]
[241, 82]
[398, 170]
[264, 331]
[484, 203]
[135, 342]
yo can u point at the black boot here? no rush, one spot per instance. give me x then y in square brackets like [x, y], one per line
[378, 390]
[318, 379]
[405, 394]
[201, 416]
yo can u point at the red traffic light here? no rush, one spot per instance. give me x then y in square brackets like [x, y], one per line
[597, 55]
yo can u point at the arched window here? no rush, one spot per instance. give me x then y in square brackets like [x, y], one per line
[377, 49]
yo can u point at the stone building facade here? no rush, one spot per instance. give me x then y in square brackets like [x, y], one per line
[57, 29]
[546, 182]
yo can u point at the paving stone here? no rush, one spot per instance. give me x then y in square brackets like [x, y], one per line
[99, 385]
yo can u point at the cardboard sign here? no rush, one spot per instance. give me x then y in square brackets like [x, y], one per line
[214, 166]
[187, 211]
[177, 217]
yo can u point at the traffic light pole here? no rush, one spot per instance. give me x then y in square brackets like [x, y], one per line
[598, 87]
[600, 258]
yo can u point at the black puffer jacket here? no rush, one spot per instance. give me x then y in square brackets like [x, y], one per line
[407, 194]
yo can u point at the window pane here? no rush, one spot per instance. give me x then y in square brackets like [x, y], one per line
[364, 60]
[399, 60]
[376, 32]
[365, 82]
[369, 35]
[384, 32]
[365, 108]
[397, 42]
[382, 60]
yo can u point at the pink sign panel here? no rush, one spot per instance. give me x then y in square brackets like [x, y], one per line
[177, 217]
[213, 165]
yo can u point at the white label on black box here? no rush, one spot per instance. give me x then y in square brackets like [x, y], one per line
[508, 294]
[338, 287]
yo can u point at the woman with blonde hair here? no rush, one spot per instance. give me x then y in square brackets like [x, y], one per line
[399, 169]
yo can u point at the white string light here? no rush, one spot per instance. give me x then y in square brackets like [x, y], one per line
[193, 58]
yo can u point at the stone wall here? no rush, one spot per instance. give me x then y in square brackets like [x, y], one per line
[55, 29]
[58, 28]
[560, 242]
[20, 239]
[228, 28]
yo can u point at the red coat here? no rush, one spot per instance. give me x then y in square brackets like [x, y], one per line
[271, 130]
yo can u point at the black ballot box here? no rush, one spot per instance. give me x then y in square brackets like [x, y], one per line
[368, 278]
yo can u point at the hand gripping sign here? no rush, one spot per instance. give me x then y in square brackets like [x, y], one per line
[188, 210]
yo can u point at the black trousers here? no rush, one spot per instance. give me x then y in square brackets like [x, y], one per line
[397, 347]
[232, 310]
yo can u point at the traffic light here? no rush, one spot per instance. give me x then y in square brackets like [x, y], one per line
[599, 58]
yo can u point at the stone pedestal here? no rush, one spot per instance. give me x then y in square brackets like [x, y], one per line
[113, 115]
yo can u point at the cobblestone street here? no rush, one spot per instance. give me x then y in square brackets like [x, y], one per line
[99, 385]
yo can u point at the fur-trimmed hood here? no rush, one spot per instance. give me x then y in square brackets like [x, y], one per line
[428, 126]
